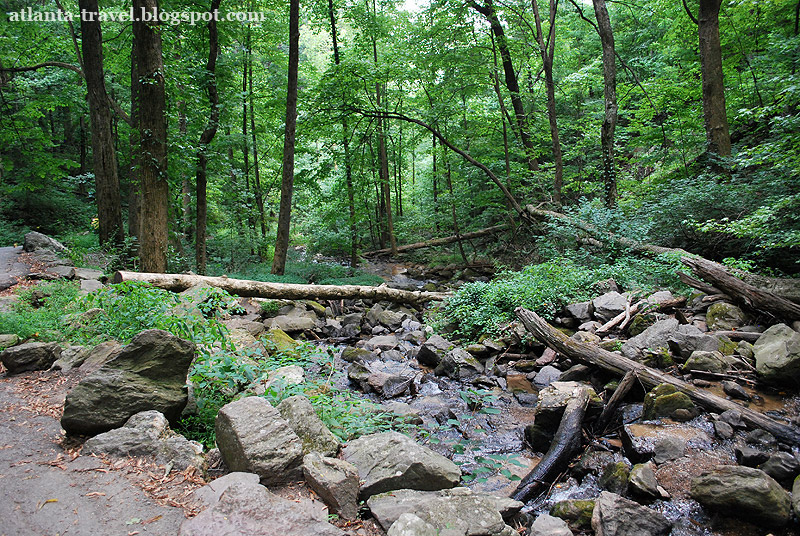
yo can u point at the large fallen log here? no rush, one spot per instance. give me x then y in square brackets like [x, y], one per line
[747, 295]
[566, 443]
[649, 377]
[281, 291]
[439, 241]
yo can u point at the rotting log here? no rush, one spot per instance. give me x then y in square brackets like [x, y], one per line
[622, 389]
[566, 443]
[649, 377]
[745, 294]
[438, 241]
[281, 291]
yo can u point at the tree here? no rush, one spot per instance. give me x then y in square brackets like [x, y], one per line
[287, 177]
[152, 137]
[610, 99]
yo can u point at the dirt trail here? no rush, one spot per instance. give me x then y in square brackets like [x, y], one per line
[46, 489]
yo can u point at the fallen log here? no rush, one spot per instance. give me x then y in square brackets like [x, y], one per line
[566, 443]
[439, 241]
[611, 406]
[745, 294]
[649, 377]
[282, 291]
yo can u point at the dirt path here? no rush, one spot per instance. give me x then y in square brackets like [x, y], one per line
[47, 489]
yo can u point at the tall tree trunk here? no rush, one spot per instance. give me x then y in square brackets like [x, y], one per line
[512, 83]
[348, 167]
[610, 96]
[201, 178]
[714, 112]
[435, 180]
[259, 192]
[135, 185]
[153, 140]
[287, 181]
[547, 51]
[104, 154]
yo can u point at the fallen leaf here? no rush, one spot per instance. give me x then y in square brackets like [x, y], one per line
[41, 504]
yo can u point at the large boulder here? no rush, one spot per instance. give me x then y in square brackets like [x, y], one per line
[252, 437]
[547, 525]
[335, 481]
[688, 338]
[722, 316]
[656, 336]
[743, 492]
[609, 305]
[706, 361]
[148, 435]
[247, 508]
[664, 400]
[459, 364]
[35, 241]
[777, 353]
[388, 461]
[149, 373]
[30, 356]
[409, 524]
[616, 516]
[303, 419]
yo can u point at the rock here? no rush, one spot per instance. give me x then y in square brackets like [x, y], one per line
[723, 430]
[593, 462]
[87, 274]
[246, 508]
[575, 373]
[722, 316]
[576, 512]
[435, 406]
[796, 497]
[639, 440]
[734, 390]
[732, 417]
[335, 481]
[706, 361]
[782, 466]
[279, 340]
[256, 329]
[90, 285]
[391, 319]
[586, 337]
[582, 311]
[302, 418]
[554, 398]
[777, 353]
[616, 516]
[382, 342]
[609, 305]
[71, 357]
[615, 478]
[462, 509]
[279, 379]
[749, 457]
[687, 338]
[643, 482]
[8, 340]
[30, 356]
[245, 343]
[148, 435]
[410, 525]
[656, 336]
[743, 492]
[459, 365]
[546, 376]
[547, 525]
[662, 296]
[35, 241]
[668, 448]
[761, 439]
[351, 354]
[388, 461]
[253, 437]
[746, 351]
[290, 323]
[209, 495]
[663, 400]
[149, 373]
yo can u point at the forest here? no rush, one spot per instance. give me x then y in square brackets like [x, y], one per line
[180, 146]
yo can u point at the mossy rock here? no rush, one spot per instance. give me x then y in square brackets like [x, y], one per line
[727, 346]
[538, 437]
[658, 358]
[316, 307]
[576, 512]
[8, 340]
[640, 323]
[351, 354]
[615, 477]
[280, 340]
[663, 401]
[722, 316]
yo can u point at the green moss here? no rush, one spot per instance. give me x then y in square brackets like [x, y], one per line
[576, 512]
[663, 401]
[280, 341]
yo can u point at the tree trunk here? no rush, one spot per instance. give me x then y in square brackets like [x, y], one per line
[440, 241]
[282, 291]
[153, 140]
[104, 155]
[610, 96]
[547, 50]
[259, 191]
[594, 355]
[287, 181]
[714, 112]
[206, 137]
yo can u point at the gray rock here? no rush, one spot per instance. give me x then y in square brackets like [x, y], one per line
[149, 373]
[662, 296]
[796, 497]
[256, 329]
[687, 338]
[410, 525]
[148, 435]
[388, 461]
[30, 356]
[616, 516]
[290, 323]
[777, 353]
[667, 448]
[253, 437]
[615, 477]
[303, 419]
[459, 364]
[335, 481]
[586, 337]
[639, 440]
[251, 509]
[722, 316]
[351, 354]
[35, 241]
[643, 482]
[782, 466]
[90, 285]
[609, 305]
[706, 361]
[546, 376]
[723, 430]
[749, 457]
[71, 357]
[656, 336]
[7, 340]
[743, 492]
[382, 342]
[581, 311]
[734, 390]
[209, 495]
[86, 274]
[547, 525]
